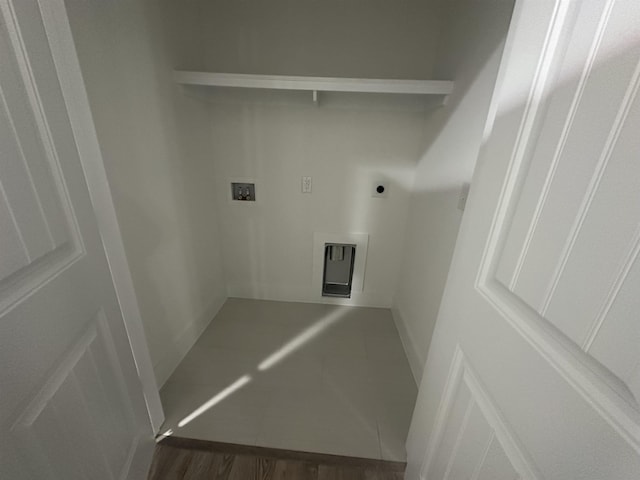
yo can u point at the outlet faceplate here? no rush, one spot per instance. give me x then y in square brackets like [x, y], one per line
[306, 184]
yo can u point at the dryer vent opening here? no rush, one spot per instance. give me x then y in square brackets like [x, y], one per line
[338, 269]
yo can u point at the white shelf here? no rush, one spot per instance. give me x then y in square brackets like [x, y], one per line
[315, 84]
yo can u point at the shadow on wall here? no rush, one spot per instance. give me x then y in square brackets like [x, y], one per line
[615, 69]
[334, 38]
[470, 50]
[154, 144]
[457, 133]
[183, 270]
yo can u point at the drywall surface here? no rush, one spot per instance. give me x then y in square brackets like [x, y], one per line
[345, 144]
[156, 150]
[355, 38]
[469, 53]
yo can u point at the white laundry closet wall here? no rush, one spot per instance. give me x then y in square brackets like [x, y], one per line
[344, 144]
[469, 52]
[170, 151]
[157, 155]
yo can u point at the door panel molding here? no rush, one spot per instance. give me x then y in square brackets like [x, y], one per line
[609, 394]
[629, 261]
[594, 184]
[31, 277]
[533, 104]
[552, 213]
[73, 406]
[557, 155]
[63, 52]
[36, 173]
[43, 415]
[44, 132]
[462, 375]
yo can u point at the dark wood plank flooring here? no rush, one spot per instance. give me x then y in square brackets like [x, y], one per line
[187, 459]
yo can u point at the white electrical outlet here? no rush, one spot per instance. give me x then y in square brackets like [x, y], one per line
[306, 184]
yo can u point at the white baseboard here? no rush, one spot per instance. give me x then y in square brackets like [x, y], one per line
[305, 294]
[410, 350]
[176, 351]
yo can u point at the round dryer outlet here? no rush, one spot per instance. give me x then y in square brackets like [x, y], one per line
[380, 189]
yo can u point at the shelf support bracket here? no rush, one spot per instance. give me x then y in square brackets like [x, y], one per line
[315, 97]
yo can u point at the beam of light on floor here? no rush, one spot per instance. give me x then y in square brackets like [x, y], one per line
[301, 339]
[237, 385]
[163, 435]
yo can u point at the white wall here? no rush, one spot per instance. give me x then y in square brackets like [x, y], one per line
[156, 148]
[170, 152]
[354, 38]
[344, 144]
[469, 53]
[268, 247]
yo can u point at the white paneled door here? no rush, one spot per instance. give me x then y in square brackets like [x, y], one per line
[71, 402]
[534, 367]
